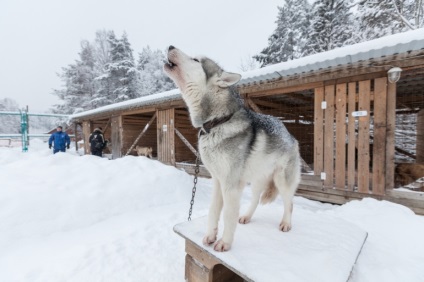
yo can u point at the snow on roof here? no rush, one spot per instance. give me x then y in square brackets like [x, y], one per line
[166, 96]
[384, 46]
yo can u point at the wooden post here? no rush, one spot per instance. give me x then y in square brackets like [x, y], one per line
[390, 135]
[76, 137]
[351, 158]
[86, 130]
[329, 137]
[116, 136]
[340, 169]
[318, 131]
[141, 133]
[379, 150]
[363, 137]
[420, 136]
[165, 135]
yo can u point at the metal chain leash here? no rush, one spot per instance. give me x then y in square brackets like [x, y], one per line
[193, 193]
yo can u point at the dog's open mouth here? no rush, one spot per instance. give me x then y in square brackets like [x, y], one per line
[170, 63]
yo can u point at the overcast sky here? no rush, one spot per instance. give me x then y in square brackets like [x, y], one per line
[40, 37]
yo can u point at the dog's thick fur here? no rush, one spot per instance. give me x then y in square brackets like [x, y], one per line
[406, 173]
[240, 147]
[144, 151]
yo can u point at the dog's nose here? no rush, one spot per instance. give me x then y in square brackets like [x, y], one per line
[170, 48]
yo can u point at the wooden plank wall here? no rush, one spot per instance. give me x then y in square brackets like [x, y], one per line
[166, 136]
[133, 125]
[183, 124]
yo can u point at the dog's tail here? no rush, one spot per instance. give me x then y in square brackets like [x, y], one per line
[269, 195]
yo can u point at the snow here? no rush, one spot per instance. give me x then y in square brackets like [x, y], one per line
[318, 241]
[67, 217]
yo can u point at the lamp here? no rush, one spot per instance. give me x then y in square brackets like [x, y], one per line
[394, 74]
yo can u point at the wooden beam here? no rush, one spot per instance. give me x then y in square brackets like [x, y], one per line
[141, 134]
[185, 141]
[273, 89]
[253, 105]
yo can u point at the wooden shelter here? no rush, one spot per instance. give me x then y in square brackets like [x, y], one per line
[353, 125]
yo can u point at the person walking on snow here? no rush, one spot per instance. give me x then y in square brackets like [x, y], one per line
[60, 139]
[97, 142]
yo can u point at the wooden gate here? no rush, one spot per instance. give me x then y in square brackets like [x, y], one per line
[166, 136]
[353, 140]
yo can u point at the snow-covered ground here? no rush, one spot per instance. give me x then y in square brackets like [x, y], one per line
[67, 217]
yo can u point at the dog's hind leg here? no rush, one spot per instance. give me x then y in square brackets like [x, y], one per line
[257, 188]
[287, 181]
[214, 213]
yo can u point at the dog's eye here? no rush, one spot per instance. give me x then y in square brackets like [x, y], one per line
[194, 59]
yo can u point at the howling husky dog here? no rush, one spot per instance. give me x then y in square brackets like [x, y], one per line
[236, 145]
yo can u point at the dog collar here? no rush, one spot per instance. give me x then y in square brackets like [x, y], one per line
[207, 126]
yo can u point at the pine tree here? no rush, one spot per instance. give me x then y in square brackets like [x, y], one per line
[120, 75]
[79, 83]
[151, 76]
[289, 38]
[331, 26]
[386, 17]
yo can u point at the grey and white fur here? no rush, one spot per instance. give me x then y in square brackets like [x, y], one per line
[237, 145]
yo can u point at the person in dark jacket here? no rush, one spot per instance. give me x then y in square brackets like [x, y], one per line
[60, 139]
[97, 142]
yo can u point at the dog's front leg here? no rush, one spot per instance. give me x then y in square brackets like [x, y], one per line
[231, 195]
[214, 213]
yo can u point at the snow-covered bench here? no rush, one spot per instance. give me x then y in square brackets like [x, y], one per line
[320, 247]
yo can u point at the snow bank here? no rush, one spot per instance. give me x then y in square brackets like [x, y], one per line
[67, 217]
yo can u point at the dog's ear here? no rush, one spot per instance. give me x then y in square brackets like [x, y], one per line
[227, 79]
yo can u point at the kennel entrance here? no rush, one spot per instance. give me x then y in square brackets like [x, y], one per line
[354, 135]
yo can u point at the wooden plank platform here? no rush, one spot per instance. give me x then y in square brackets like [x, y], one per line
[261, 252]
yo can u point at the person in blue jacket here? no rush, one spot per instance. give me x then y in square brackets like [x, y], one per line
[60, 139]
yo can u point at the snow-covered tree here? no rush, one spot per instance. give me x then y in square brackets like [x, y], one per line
[79, 83]
[331, 26]
[289, 38]
[386, 17]
[120, 78]
[9, 123]
[151, 76]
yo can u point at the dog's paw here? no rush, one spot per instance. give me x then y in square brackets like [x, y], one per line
[207, 240]
[244, 219]
[221, 246]
[285, 227]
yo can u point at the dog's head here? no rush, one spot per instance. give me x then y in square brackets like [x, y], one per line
[198, 72]
[197, 76]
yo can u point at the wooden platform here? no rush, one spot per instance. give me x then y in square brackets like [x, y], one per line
[320, 247]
